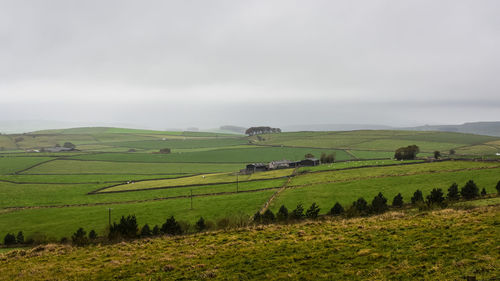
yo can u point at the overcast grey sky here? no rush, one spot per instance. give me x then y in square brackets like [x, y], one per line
[200, 63]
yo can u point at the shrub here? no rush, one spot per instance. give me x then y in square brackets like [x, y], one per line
[453, 193]
[200, 225]
[20, 238]
[92, 235]
[156, 230]
[127, 228]
[165, 150]
[282, 214]
[483, 192]
[146, 231]
[337, 209]
[498, 187]
[406, 153]
[268, 216]
[171, 227]
[379, 203]
[79, 238]
[298, 213]
[9, 239]
[308, 155]
[330, 158]
[313, 211]
[397, 201]
[452, 152]
[437, 154]
[257, 218]
[361, 207]
[417, 197]
[436, 197]
[470, 190]
[69, 145]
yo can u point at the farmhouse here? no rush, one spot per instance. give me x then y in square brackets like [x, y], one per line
[282, 164]
[255, 167]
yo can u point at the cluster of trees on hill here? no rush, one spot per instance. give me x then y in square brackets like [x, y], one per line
[407, 153]
[261, 130]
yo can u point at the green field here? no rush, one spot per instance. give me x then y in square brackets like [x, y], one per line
[55, 193]
[440, 245]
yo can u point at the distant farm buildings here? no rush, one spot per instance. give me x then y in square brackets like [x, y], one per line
[281, 164]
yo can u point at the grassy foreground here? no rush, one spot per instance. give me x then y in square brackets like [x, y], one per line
[441, 245]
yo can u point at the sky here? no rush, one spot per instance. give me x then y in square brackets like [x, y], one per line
[178, 64]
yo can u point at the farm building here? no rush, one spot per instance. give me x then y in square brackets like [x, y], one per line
[282, 164]
[255, 167]
[310, 162]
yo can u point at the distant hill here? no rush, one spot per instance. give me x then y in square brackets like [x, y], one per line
[478, 128]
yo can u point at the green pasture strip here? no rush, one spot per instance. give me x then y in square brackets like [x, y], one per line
[200, 180]
[59, 222]
[448, 137]
[248, 155]
[183, 150]
[68, 179]
[181, 143]
[481, 149]
[101, 167]
[480, 202]
[44, 154]
[393, 144]
[441, 245]
[367, 154]
[47, 195]
[391, 171]
[354, 164]
[7, 143]
[9, 164]
[346, 192]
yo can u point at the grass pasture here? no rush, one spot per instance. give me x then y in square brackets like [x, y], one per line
[10, 165]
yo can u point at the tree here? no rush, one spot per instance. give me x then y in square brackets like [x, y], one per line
[126, 228]
[92, 235]
[20, 238]
[417, 197]
[361, 206]
[200, 225]
[80, 237]
[282, 214]
[308, 155]
[171, 227]
[298, 213]
[69, 145]
[437, 154]
[257, 218]
[337, 209]
[9, 239]
[379, 203]
[146, 231]
[452, 151]
[483, 192]
[436, 197]
[330, 158]
[268, 216]
[261, 130]
[156, 230]
[397, 202]
[498, 187]
[470, 190]
[313, 211]
[453, 194]
[407, 153]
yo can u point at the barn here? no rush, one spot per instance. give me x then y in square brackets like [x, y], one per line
[309, 162]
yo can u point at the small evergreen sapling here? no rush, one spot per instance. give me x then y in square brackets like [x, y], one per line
[470, 190]
[417, 197]
[298, 213]
[146, 231]
[200, 225]
[483, 192]
[80, 237]
[9, 239]
[337, 209]
[453, 194]
[397, 202]
[498, 187]
[92, 235]
[268, 216]
[20, 238]
[379, 203]
[282, 214]
[313, 211]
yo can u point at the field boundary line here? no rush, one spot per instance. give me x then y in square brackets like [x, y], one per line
[98, 191]
[394, 176]
[33, 166]
[19, 208]
[271, 199]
